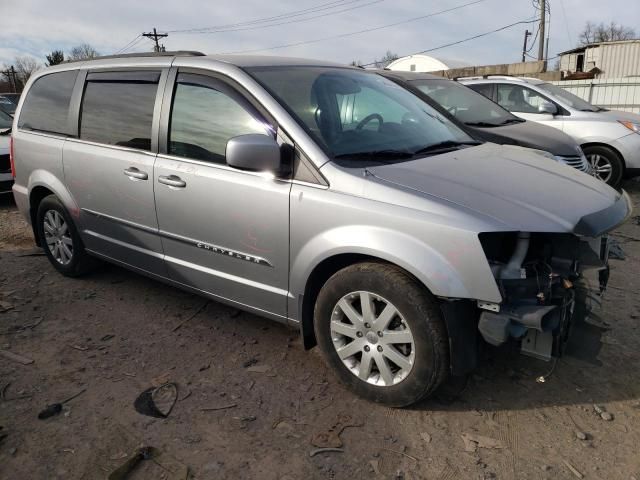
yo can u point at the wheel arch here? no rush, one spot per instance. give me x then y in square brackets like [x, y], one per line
[317, 278]
[36, 196]
[458, 315]
[605, 145]
[448, 266]
[42, 184]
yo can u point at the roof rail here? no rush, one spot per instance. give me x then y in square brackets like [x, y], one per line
[478, 77]
[177, 53]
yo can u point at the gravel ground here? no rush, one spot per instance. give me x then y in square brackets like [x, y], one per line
[252, 403]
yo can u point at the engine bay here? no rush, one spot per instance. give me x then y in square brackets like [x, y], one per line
[548, 282]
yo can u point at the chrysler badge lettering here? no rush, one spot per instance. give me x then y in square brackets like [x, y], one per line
[233, 253]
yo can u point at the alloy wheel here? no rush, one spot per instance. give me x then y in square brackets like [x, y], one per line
[372, 339]
[601, 167]
[57, 237]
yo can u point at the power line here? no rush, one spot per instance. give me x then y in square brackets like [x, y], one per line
[373, 29]
[464, 40]
[334, 12]
[128, 45]
[268, 19]
[566, 23]
[136, 43]
[294, 13]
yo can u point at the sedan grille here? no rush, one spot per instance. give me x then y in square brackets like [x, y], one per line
[5, 164]
[579, 163]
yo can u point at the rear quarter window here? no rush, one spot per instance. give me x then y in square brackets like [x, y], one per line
[46, 107]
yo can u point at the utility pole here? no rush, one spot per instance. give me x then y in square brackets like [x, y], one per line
[155, 36]
[11, 76]
[543, 19]
[527, 34]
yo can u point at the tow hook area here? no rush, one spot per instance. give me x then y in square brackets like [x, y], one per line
[548, 283]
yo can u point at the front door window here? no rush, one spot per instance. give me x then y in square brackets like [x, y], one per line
[516, 98]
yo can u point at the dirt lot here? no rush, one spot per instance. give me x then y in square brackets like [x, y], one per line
[114, 334]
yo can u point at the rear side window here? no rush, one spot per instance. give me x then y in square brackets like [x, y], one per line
[117, 109]
[46, 108]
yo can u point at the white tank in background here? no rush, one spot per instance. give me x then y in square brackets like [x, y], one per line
[424, 63]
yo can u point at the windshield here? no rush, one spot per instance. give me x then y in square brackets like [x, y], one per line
[7, 106]
[466, 105]
[5, 120]
[359, 115]
[569, 98]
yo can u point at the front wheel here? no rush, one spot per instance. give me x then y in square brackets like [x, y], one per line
[606, 164]
[383, 333]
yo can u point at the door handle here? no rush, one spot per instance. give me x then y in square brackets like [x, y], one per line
[133, 172]
[172, 181]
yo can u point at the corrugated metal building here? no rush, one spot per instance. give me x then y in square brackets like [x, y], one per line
[615, 59]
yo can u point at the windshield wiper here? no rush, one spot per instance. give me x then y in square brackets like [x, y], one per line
[512, 120]
[446, 146]
[375, 154]
[482, 124]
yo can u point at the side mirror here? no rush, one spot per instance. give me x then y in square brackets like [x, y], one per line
[548, 108]
[254, 152]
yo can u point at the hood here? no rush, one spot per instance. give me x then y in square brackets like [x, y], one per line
[531, 135]
[609, 116]
[616, 115]
[520, 189]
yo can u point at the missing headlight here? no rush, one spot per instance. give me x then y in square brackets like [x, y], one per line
[548, 281]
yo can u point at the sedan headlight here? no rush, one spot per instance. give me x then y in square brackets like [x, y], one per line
[634, 127]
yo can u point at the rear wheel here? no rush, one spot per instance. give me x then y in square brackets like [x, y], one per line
[383, 334]
[606, 164]
[60, 239]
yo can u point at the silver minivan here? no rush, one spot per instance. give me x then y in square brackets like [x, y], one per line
[609, 139]
[318, 195]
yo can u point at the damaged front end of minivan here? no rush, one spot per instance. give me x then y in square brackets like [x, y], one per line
[549, 282]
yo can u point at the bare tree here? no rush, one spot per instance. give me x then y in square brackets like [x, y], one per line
[82, 52]
[386, 60]
[596, 33]
[25, 66]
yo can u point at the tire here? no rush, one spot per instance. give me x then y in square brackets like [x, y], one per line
[606, 164]
[51, 213]
[380, 286]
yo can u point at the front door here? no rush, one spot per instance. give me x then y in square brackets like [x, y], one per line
[224, 231]
[109, 169]
[524, 102]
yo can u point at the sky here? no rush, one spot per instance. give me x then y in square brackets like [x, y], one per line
[36, 27]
